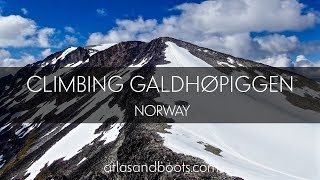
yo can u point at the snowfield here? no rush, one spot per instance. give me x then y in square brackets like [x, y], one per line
[250, 151]
[180, 57]
[102, 47]
[63, 55]
[71, 144]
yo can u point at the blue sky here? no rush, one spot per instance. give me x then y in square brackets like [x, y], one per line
[82, 22]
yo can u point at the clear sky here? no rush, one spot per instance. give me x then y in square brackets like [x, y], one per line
[276, 32]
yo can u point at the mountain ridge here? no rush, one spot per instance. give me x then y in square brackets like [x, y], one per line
[82, 53]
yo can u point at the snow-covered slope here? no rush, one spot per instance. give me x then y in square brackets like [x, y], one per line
[61, 57]
[77, 62]
[101, 47]
[71, 144]
[252, 151]
[180, 57]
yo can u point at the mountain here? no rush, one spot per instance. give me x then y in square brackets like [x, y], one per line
[73, 136]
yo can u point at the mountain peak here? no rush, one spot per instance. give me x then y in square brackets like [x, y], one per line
[137, 53]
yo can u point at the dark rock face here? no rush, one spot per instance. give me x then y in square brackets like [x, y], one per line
[137, 143]
[119, 55]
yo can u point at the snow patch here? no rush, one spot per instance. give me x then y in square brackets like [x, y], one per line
[4, 127]
[180, 57]
[70, 145]
[63, 55]
[1, 161]
[112, 134]
[24, 129]
[230, 60]
[81, 161]
[48, 133]
[74, 64]
[225, 63]
[143, 62]
[102, 47]
[66, 148]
